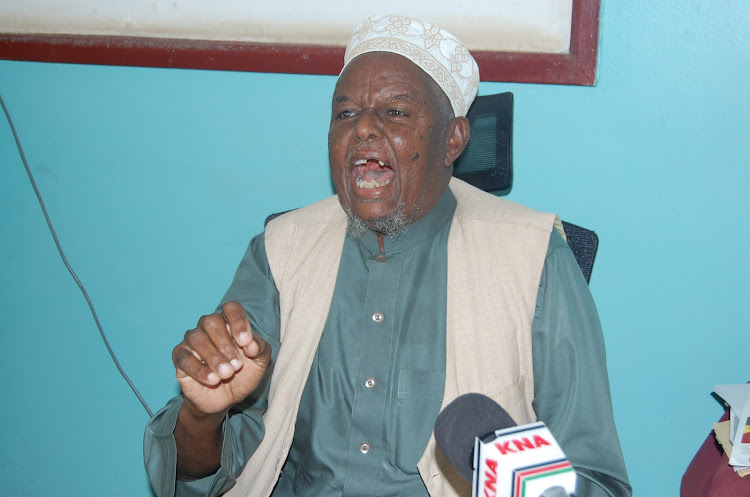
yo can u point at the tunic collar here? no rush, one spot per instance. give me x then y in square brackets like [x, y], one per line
[414, 234]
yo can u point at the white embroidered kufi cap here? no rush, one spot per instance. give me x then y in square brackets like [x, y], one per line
[436, 51]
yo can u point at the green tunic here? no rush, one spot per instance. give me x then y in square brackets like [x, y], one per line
[376, 384]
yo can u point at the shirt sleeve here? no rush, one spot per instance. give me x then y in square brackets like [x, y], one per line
[254, 288]
[571, 384]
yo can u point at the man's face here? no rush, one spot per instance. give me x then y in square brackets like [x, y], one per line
[388, 139]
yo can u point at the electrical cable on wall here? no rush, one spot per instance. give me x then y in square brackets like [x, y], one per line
[65, 260]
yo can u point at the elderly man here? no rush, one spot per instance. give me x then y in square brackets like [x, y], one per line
[350, 322]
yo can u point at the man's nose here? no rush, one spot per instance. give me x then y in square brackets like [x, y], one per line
[368, 125]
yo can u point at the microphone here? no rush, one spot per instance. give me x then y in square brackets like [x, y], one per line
[500, 458]
[469, 416]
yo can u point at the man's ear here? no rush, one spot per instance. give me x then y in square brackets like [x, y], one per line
[459, 131]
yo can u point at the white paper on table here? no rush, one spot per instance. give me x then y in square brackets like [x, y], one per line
[738, 398]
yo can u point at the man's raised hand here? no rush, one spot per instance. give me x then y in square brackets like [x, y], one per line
[220, 362]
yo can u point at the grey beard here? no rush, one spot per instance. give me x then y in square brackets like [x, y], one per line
[391, 225]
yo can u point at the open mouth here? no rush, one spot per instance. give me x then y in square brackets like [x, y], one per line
[372, 173]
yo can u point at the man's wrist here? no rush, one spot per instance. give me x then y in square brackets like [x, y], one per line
[192, 416]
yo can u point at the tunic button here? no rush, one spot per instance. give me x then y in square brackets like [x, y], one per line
[378, 317]
[370, 382]
[364, 447]
[381, 258]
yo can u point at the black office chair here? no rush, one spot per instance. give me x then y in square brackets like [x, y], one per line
[487, 163]
[487, 160]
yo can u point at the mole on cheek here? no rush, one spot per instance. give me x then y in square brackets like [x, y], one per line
[416, 156]
[421, 137]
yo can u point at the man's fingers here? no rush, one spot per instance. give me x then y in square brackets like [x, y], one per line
[213, 351]
[187, 364]
[228, 361]
[200, 354]
[239, 326]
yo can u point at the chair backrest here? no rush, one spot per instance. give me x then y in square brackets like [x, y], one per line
[487, 163]
[584, 244]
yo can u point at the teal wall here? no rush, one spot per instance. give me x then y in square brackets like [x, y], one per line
[156, 179]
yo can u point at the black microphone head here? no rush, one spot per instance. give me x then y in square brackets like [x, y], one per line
[469, 416]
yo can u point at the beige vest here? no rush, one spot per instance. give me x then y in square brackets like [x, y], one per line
[496, 251]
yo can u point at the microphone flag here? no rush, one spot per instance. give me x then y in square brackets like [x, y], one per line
[521, 461]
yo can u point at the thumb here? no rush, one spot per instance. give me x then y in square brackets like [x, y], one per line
[259, 351]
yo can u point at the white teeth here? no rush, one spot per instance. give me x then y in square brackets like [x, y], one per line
[370, 184]
[364, 161]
